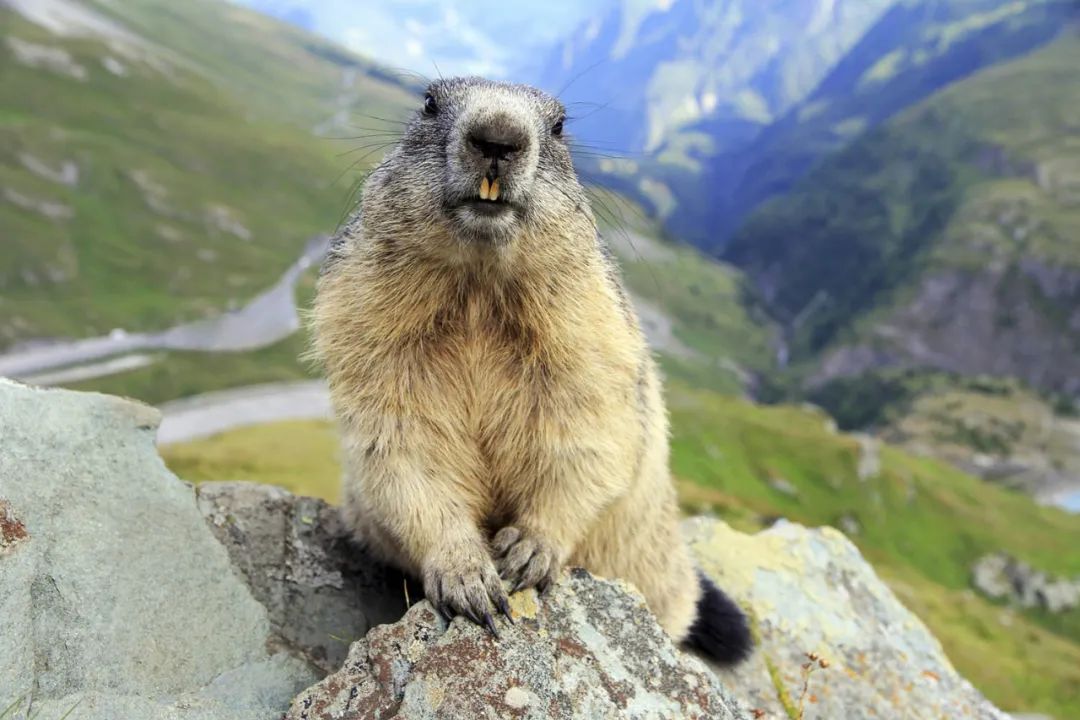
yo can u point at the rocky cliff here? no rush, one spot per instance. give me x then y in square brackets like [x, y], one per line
[130, 595]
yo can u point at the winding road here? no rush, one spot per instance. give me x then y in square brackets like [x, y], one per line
[267, 319]
[205, 415]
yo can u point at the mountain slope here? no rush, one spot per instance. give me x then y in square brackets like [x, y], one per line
[717, 108]
[915, 49]
[948, 238]
[157, 160]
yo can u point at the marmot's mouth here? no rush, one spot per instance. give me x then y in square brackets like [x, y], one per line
[489, 202]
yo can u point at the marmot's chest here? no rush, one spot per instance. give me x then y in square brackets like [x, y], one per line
[509, 375]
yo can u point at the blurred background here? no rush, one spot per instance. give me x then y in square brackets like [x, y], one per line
[851, 227]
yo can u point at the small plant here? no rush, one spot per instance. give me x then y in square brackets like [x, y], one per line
[813, 662]
[10, 710]
[9, 713]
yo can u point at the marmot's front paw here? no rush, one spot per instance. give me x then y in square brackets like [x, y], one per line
[525, 558]
[464, 582]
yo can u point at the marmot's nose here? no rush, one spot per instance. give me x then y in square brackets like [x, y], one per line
[493, 150]
[498, 138]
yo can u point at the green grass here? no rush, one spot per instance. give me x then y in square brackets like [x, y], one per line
[302, 457]
[205, 136]
[708, 302]
[917, 512]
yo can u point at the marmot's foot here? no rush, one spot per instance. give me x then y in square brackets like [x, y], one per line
[463, 581]
[525, 558]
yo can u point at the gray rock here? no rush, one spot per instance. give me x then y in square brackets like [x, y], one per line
[810, 591]
[989, 576]
[589, 650]
[783, 487]
[321, 591]
[1002, 577]
[118, 594]
[16, 576]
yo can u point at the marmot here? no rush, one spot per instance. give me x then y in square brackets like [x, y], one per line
[500, 410]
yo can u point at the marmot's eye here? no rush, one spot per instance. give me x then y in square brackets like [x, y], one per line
[430, 106]
[556, 129]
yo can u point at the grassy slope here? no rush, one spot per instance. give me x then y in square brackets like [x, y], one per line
[275, 69]
[708, 302]
[207, 135]
[957, 424]
[922, 523]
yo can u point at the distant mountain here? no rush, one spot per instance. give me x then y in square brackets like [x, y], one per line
[913, 50]
[644, 71]
[159, 160]
[947, 238]
[704, 111]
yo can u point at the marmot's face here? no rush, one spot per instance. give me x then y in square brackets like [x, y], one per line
[485, 160]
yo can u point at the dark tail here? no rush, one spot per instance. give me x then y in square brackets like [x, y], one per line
[720, 631]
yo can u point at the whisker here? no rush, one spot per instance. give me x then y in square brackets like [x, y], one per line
[368, 136]
[581, 74]
[375, 146]
[351, 197]
[382, 119]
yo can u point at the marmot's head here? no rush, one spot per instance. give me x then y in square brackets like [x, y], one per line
[479, 162]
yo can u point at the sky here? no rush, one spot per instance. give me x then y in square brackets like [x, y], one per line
[495, 39]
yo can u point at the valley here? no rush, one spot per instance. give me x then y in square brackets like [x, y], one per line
[851, 230]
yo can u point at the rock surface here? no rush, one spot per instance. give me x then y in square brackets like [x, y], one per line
[810, 591]
[322, 592]
[117, 600]
[590, 649]
[1003, 577]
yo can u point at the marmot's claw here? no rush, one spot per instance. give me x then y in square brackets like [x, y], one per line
[463, 583]
[524, 558]
[504, 608]
[504, 540]
[490, 625]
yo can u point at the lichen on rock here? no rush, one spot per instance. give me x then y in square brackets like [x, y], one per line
[809, 591]
[590, 649]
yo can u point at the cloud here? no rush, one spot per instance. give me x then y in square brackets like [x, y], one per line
[459, 37]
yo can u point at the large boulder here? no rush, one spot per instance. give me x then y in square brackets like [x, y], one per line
[590, 650]
[322, 592]
[116, 599]
[810, 592]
